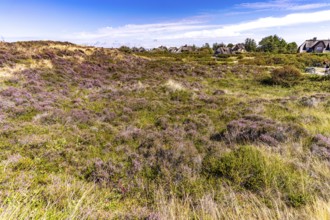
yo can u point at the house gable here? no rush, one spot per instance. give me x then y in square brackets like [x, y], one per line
[315, 46]
[318, 47]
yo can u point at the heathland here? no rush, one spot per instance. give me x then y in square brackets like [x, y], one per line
[94, 133]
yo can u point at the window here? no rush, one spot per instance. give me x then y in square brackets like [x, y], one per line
[319, 49]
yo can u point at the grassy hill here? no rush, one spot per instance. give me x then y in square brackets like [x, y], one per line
[93, 133]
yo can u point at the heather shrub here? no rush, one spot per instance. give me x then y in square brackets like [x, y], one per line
[104, 173]
[252, 169]
[81, 116]
[129, 134]
[56, 116]
[162, 122]
[200, 123]
[256, 129]
[320, 146]
[286, 76]
[166, 154]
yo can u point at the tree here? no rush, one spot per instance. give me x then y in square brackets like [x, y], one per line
[206, 45]
[273, 44]
[282, 46]
[125, 49]
[230, 45]
[250, 45]
[215, 46]
[292, 47]
[206, 48]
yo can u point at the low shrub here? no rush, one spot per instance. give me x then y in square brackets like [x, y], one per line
[103, 173]
[256, 129]
[286, 76]
[182, 96]
[321, 146]
[223, 56]
[125, 49]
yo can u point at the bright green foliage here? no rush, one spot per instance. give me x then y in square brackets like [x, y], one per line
[251, 169]
[250, 45]
[292, 47]
[274, 44]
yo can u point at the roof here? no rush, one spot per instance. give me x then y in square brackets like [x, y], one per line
[312, 43]
[239, 47]
[223, 50]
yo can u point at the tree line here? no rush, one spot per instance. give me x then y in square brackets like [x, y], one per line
[271, 44]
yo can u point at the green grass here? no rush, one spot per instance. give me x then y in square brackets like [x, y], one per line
[254, 170]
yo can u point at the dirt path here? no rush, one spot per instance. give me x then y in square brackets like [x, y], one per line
[319, 71]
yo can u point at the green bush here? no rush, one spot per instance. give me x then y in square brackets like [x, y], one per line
[125, 49]
[286, 76]
[244, 167]
[223, 56]
[180, 95]
[251, 169]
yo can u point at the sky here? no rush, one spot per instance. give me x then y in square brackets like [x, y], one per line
[150, 23]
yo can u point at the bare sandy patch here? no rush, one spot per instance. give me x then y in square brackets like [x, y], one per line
[174, 86]
[7, 72]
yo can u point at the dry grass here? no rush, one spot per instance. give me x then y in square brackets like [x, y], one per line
[233, 206]
[174, 86]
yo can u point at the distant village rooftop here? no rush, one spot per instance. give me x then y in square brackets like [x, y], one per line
[315, 46]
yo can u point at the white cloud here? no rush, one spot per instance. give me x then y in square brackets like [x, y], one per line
[262, 23]
[146, 30]
[309, 6]
[266, 5]
[284, 5]
[197, 32]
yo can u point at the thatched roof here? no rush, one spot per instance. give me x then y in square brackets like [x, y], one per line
[310, 45]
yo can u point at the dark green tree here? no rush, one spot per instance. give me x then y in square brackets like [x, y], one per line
[230, 45]
[273, 44]
[292, 47]
[206, 45]
[125, 49]
[206, 48]
[250, 45]
[215, 46]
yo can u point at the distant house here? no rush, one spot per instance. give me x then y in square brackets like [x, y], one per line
[315, 46]
[162, 48]
[172, 49]
[238, 48]
[223, 50]
[138, 50]
[159, 49]
[185, 49]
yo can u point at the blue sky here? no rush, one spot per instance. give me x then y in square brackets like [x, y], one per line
[112, 23]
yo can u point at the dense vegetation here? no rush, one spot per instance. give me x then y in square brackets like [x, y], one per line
[270, 44]
[93, 133]
[275, 44]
